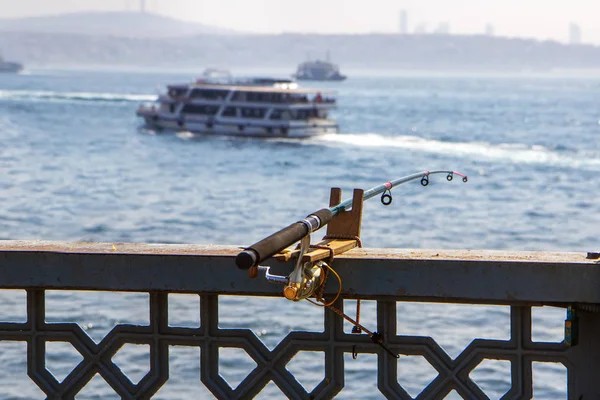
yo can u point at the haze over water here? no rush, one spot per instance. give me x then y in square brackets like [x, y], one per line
[538, 19]
[74, 166]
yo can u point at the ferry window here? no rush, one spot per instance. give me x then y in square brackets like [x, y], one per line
[303, 114]
[276, 114]
[253, 112]
[299, 99]
[300, 114]
[199, 109]
[229, 112]
[208, 94]
[239, 96]
[219, 95]
[266, 97]
[176, 92]
[286, 115]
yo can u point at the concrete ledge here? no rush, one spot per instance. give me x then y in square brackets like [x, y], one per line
[482, 277]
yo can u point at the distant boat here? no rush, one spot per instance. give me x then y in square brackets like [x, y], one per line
[217, 104]
[10, 67]
[318, 71]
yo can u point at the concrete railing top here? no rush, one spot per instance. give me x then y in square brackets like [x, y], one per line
[494, 277]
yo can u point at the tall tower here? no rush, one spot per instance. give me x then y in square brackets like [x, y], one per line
[574, 33]
[489, 30]
[142, 6]
[403, 22]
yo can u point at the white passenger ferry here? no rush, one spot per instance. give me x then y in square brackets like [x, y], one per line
[260, 107]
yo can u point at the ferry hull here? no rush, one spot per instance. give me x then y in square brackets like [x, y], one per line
[239, 129]
[10, 67]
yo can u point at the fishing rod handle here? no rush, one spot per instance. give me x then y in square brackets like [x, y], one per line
[265, 248]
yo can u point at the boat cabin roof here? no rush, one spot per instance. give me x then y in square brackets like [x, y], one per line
[263, 89]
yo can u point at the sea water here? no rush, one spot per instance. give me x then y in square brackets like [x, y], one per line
[75, 165]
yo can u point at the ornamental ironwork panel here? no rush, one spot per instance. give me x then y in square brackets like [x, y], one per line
[452, 374]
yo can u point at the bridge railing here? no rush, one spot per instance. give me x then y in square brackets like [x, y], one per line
[519, 280]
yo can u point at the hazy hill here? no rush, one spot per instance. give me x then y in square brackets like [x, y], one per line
[125, 24]
[415, 52]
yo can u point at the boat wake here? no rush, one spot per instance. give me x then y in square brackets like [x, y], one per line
[50, 96]
[516, 153]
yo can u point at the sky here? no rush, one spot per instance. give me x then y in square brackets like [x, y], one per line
[541, 19]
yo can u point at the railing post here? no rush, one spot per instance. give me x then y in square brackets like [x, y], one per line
[584, 381]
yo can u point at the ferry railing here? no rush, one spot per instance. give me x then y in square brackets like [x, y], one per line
[520, 280]
[238, 102]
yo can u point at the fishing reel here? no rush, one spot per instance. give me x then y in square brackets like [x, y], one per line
[306, 278]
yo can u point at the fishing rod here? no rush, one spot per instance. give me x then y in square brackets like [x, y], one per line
[310, 272]
[253, 255]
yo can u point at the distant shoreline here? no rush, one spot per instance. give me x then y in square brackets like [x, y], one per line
[109, 39]
[353, 73]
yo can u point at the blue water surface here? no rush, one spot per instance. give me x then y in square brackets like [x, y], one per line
[76, 166]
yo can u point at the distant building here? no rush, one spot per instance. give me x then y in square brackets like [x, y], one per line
[574, 33]
[421, 28]
[403, 22]
[142, 6]
[442, 29]
[489, 30]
